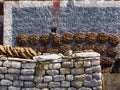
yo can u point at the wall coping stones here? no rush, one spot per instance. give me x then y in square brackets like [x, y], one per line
[58, 58]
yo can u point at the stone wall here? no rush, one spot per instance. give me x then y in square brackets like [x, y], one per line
[37, 17]
[82, 71]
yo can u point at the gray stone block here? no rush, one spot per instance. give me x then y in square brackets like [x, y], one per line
[26, 77]
[95, 62]
[65, 84]
[69, 77]
[6, 82]
[44, 89]
[85, 88]
[29, 84]
[38, 79]
[95, 69]
[79, 78]
[7, 63]
[77, 84]
[16, 64]
[77, 71]
[97, 76]
[88, 77]
[3, 87]
[11, 76]
[13, 71]
[47, 78]
[3, 70]
[87, 63]
[28, 65]
[92, 83]
[64, 71]
[58, 89]
[42, 85]
[27, 71]
[55, 66]
[14, 88]
[54, 85]
[17, 83]
[30, 89]
[79, 64]
[52, 72]
[72, 88]
[59, 77]
[97, 88]
[1, 76]
[67, 64]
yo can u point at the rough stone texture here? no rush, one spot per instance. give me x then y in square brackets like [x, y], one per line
[27, 71]
[44, 89]
[3, 69]
[92, 83]
[30, 89]
[11, 76]
[26, 77]
[85, 88]
[95, 69]
[58, 89]
[87, 63]
[88, 77]
[13, 88]
[52, 72]
[6, 82]
[47, 78]
[69, 77]
[77, 71]
[17, 83]
[80, 77]
[97, 88]
[29, 84]
[67, 64]
[95, 62]
[16, 64]
[65, 84]
[38, 18]
[59, 77]
[64, 71]
[28, 65]
[54, 84]
[79, 64]
[3, 87]
[7, 64]
[97, 76]
[38, 79]
[42, 85]
[77, 84]
[14, 71]
[1, 76]
[55, 66]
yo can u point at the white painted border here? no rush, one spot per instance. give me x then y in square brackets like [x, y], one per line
[97, 3]
[7, 37]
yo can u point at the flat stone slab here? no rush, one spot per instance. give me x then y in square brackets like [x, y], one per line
[86, 54]
[48, 57]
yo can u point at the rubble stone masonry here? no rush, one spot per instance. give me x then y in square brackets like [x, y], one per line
[81, 72]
